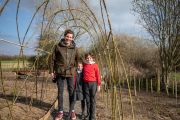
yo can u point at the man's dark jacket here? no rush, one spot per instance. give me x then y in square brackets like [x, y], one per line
[64, 59]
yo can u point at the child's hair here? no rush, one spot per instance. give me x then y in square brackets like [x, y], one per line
[89, 54]
[68, 31]
[79, 62]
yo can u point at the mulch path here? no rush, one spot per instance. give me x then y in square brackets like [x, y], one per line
[32, 103]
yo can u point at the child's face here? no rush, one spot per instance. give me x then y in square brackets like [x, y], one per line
[80, 66]
[89, 59]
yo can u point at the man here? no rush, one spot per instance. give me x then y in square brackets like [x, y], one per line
[64, 60]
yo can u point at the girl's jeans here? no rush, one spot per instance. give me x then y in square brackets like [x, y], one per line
[90, 93]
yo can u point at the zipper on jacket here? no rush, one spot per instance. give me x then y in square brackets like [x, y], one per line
[66, 60]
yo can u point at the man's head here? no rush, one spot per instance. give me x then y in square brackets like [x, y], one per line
[68, 36]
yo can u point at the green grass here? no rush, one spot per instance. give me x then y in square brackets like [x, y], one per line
[12, 61]
[13, 64]
[175, 75]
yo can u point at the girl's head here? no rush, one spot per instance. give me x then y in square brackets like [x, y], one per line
[80, 66]
[89, 57]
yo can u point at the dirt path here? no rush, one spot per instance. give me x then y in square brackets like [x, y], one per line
[146, 106]
[66, 108]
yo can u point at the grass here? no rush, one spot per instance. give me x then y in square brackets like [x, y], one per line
[13, 64]
[174, 76]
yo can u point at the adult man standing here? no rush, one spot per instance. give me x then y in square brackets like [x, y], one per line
[64, 59]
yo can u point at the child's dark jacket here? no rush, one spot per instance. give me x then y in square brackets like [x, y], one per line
[78, 92]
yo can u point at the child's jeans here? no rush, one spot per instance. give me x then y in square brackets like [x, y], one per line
[83, 102]
[90, 93]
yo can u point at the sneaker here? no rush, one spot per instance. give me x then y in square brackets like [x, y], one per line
[73, 116]
[59, 116]
[86, 117]
[83, 116]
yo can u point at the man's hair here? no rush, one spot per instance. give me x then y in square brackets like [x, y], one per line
[89, 54]
[68, 31]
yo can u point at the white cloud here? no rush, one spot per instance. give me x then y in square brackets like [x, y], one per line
[121, 17]
[27, 4]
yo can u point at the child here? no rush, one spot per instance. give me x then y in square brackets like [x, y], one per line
[92, 82]
[79, 94]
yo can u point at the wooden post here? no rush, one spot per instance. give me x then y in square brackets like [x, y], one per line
[130, 79]
[2, 81]
[146, 85]
[130, 82]
[173, 84]
[176, 89]
[139, 84]
[158, 82]
[121, 114]
[135, 86]
[151, 87]
[108, 99]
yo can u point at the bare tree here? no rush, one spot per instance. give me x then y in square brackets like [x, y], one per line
[161, 18]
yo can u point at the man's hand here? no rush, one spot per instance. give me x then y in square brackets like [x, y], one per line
[54, 80]
[52, 75]
[98, 88]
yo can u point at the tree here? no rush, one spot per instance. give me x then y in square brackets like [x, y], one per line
[56, 16]
[161, 19]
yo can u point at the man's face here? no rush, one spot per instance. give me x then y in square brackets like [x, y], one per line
[68, 38]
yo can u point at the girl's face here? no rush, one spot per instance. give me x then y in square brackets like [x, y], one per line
[89, 59]
[80, 66]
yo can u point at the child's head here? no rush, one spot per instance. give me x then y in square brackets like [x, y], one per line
[89, 57]
[80, 66]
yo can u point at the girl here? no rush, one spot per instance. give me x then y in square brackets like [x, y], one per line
[92, 82]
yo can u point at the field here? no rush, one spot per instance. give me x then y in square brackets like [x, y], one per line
[13, 64]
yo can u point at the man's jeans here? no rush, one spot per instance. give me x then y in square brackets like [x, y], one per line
[70, 86]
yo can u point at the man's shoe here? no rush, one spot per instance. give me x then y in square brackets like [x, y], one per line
[73, 116]
[59, 116]
[86, 117]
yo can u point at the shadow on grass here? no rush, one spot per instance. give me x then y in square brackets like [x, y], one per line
[28, 101]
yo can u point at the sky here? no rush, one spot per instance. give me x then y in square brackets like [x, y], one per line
[8, 30]
[122, 19]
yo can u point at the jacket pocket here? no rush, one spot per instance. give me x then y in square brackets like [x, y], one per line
[59, 68]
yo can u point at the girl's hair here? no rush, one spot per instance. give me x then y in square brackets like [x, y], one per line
[68, 31]
[89, 54]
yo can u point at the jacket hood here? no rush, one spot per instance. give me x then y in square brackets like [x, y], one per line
[62, 44]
